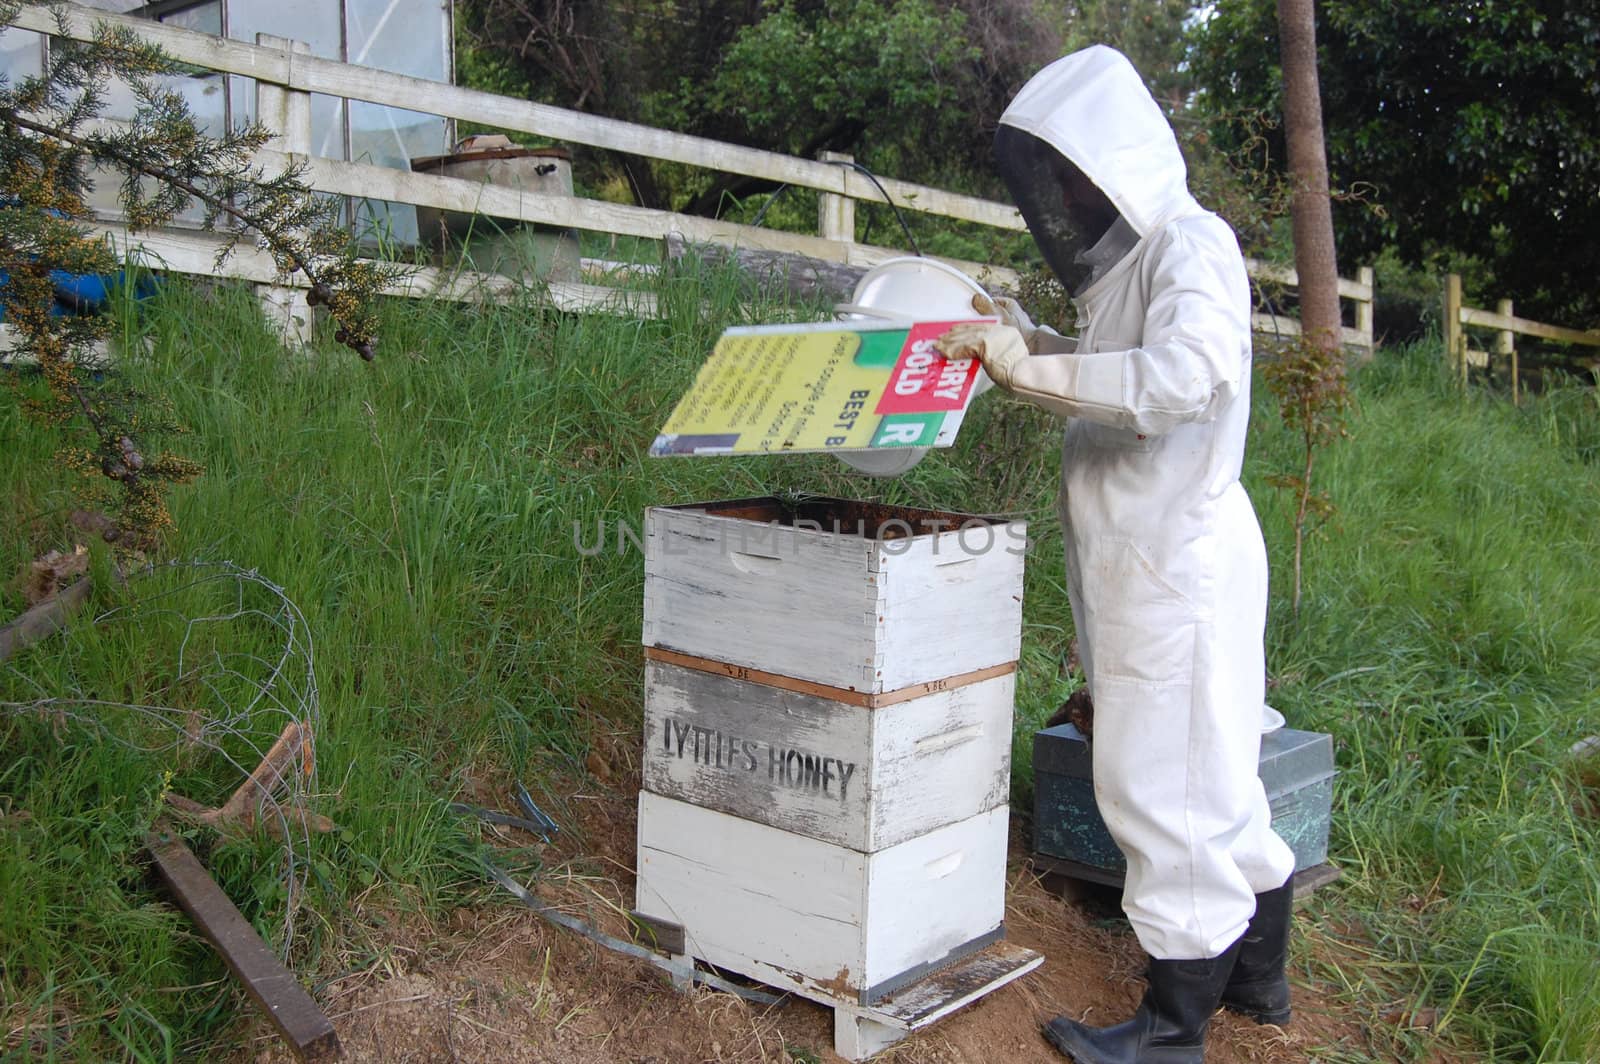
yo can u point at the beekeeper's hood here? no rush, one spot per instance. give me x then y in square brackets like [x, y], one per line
[1092, 108]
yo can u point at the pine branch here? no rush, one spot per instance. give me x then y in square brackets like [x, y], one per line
[169, 163]
[102, 150]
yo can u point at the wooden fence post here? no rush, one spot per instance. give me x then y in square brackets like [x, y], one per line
[1364, 276]
[1454, 342]
[286, 113]
[1505, 343]
[836, 214]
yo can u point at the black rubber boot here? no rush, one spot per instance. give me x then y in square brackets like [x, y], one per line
[1170, 1026]
[1259, 988]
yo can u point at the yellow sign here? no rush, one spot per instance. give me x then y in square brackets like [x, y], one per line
[823, 387]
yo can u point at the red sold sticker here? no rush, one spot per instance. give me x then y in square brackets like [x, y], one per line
[924, 381]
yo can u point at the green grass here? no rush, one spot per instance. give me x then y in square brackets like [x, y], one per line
[1450, 640]
[420, 513]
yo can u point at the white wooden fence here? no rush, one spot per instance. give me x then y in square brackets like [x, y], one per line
[1359, 292]
[286, 75]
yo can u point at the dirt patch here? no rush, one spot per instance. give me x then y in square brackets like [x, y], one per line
[497, 983]
[1585, 756]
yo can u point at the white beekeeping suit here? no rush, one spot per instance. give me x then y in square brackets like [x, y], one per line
[1166, 567]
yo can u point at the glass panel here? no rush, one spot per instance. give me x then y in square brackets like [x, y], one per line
[202, 91]
[388, 34]
[404, 36]
[315, 22]
[21, 54]
[389, 136]
[241, 101]
[327, 118]
[409, 38]
[327, 126]
[205, 18]
[385, 226]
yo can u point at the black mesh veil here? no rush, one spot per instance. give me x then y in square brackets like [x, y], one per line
[1035, 173]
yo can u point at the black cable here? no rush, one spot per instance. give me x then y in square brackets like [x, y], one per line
[762, 213]
[904, 228]
[1271, 308]
[870, 176]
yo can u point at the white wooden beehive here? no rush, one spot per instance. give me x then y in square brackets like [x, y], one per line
[827, 752]
[824, 920]
[854, 596]
[866, 773]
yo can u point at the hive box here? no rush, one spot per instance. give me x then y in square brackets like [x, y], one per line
[862, 772]
[1296, 768]
[824, 920]
[853, 596]
[828, 705]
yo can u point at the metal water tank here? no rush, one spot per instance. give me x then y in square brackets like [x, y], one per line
[501, 245]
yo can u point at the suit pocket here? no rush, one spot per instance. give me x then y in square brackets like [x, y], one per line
[1115, 439]
[1141, 628]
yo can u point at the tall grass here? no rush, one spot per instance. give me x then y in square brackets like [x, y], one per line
[1450, 640]
[426, 514]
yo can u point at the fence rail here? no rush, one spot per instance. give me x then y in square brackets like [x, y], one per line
[286, 74]
[1507, 328]
[1359, 291]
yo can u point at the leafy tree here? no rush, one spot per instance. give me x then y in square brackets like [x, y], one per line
[850, 75]
[1152, 33]
[798, 76]
[48, 143]
[1476, 124]
[599, 57]
[914, 88]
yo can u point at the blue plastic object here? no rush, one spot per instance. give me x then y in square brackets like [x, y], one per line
[83, 293]
[88, 293]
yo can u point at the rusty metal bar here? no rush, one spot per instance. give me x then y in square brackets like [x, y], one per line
[273, 987]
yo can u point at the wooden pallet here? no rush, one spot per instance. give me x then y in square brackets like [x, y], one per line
[860, 1031]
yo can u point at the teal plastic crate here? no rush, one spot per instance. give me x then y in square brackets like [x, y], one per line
[1296, 768]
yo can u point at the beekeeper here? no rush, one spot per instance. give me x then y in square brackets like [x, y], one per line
[1166, 568]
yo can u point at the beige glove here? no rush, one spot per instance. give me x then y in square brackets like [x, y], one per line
[998, 347]
[1009, 311]
[1040, 339]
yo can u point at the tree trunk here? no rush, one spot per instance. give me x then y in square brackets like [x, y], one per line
[1310, 209]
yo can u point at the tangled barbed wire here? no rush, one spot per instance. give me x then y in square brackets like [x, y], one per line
[266, 705]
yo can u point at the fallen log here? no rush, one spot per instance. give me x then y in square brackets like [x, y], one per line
[801, 276]
[45, 619]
